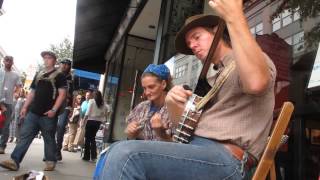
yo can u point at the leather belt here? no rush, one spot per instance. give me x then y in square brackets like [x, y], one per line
[238, 153]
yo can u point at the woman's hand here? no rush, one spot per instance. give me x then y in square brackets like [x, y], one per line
[156, 123]
[133, 129]
[159, 127]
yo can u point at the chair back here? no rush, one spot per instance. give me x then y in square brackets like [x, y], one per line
[267, 159]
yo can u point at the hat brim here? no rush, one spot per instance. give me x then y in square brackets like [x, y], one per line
[205, 21]
[63, 62]
[48, 53]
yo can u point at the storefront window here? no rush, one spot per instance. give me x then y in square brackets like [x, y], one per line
[276, 24]
[137, 57]
[298, 42]
[111, 86]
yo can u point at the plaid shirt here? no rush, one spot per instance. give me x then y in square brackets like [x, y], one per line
[142, 114]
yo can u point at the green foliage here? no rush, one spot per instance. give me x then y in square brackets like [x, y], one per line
[63, 49]
[313, 36]
[307, 9]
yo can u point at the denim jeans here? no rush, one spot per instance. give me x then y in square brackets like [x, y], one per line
[5, 129]
[31, 126]
[61, 128]
[202, 159]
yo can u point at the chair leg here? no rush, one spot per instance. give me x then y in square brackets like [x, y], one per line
[273, 175]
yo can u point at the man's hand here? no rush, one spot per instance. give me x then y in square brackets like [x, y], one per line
[229, 10]
[133, 129]
[50, 113]
[3, 108]
[23, 112]
[176, 100]
[20, 121]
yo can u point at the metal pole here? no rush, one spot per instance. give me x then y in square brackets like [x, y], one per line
[157, 51]
[110, 138]
[135, 88]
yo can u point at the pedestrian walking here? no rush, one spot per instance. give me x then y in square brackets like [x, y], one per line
[48, 92]
[65, 68]
[9, 83]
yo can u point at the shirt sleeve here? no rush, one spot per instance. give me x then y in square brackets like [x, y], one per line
[61, 81]
[70, 84]
[135, 113]
[273, 73]
[90, 103]
[166, 120]
[33, 84]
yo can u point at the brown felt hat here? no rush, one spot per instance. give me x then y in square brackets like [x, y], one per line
[204, 20]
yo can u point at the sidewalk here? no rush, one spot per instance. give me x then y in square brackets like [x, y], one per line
[72, 167]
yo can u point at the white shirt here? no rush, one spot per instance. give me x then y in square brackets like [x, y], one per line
[8, 82]
[95, 113]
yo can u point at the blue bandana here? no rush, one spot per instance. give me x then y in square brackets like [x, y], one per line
[161, 71]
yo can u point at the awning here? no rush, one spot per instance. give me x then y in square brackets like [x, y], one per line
[100, 26]
[86, 74]
[96, 23]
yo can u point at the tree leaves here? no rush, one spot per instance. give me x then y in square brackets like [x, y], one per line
[63, 50]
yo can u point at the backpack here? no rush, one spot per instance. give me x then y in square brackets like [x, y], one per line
[52, 79]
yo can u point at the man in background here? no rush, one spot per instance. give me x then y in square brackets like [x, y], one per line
[48, 92]
[65, 68]
[10, 82]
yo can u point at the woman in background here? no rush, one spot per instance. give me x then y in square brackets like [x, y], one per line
[13, 123]
[73, 125]
[17, 109]
[149, 120]
[16, 124]
[95, 115]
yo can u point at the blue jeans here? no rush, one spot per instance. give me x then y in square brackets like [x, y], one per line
[31, 126]
[61, 128]
[5, 130]
[202, 159]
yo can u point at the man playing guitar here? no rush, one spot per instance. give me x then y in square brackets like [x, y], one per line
[234, 125]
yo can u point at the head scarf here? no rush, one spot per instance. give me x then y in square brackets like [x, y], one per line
[161, 70]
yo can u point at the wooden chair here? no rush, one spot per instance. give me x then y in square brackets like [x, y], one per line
[266, 164]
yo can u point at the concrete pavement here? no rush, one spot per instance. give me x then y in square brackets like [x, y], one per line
[72, 167]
